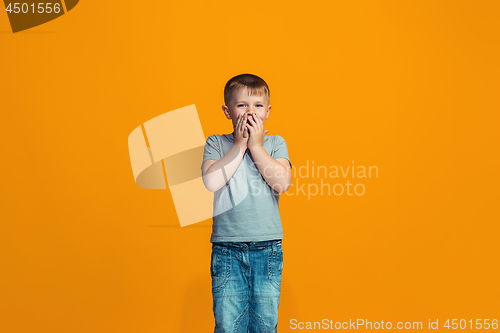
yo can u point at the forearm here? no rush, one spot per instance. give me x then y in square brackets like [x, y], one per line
[222, 170]
[275, 173]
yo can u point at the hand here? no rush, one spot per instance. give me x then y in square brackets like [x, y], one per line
[241, 133]
[257, 131]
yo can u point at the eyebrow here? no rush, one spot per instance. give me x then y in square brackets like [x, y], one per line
[246, 102]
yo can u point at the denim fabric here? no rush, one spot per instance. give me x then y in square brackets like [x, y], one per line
[246, 283]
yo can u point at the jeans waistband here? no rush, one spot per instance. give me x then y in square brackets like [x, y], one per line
[250, 245]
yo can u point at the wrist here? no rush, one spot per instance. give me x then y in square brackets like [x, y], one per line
[241, 147]
[255, 147]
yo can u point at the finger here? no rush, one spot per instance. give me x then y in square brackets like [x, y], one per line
[251, 119]
[242, 123]
[238, 122]
[256, 121]
[259, 122]
[236, 125]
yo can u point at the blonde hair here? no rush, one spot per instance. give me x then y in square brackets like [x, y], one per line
[254, 84]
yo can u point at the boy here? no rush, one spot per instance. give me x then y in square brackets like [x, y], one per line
[246, 170]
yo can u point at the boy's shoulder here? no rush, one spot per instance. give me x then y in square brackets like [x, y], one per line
[220, 137]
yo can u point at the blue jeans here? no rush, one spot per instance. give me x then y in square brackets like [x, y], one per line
[246, 283]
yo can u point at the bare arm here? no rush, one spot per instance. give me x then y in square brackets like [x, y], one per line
[216, 173]
[276, 172]
[213, 171]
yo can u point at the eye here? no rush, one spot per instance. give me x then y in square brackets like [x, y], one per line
[240, 105]
[260, 105]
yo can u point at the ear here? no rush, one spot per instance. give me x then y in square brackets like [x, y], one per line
[268, 110]
[226, 111]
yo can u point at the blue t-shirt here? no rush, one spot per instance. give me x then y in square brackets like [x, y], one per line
[246, 208]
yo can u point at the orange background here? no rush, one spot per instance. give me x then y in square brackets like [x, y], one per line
[412, 88]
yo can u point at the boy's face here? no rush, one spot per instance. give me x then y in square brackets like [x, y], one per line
[243, 103]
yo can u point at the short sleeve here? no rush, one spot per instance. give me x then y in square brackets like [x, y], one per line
[212, 150]
[280, 149]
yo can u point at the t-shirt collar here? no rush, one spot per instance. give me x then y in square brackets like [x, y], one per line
[231, 137]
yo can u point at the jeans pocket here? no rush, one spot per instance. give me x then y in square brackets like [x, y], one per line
[275, 266]
[220, 267]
